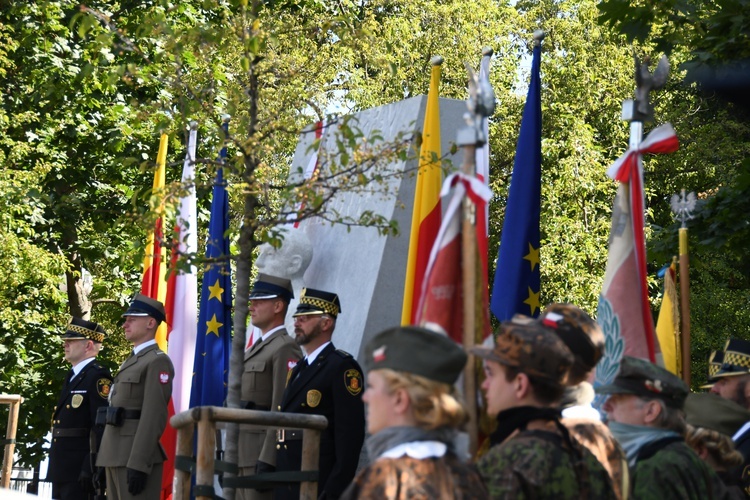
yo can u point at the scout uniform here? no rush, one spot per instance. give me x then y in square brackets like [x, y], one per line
[664, 467]
[71, 455]
[532, 453]
[332, 386]
[266, 367]
[138, 414]
[418, 462]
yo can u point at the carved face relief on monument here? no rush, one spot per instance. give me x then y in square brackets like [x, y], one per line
[290, 260]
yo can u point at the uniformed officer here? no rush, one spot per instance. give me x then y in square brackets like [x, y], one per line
[267, 364]
[137, 414]
[74, 436]
[327, 382]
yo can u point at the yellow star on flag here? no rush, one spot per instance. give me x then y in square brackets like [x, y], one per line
[533, 301]
[532, 256]
[216, 291]
[213, 326]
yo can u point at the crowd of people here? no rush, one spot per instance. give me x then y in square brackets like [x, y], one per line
[402, 433]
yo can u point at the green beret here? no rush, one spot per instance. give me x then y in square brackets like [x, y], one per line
[416, 350]
[711, 411]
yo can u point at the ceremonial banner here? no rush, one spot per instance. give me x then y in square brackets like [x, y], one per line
[212, 347]
[516, 285]
[441, 307]
[426, 214]
[624, 312]
[668, 323]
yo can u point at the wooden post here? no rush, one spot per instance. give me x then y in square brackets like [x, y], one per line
[685, 304]
[181, 485]
[10, 435]
[310, 461]
[204, 460]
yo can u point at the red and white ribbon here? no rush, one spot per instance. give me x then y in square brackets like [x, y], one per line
[661, 140]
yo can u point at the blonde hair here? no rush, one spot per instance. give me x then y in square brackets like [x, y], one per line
[719, 446]
[434, 404]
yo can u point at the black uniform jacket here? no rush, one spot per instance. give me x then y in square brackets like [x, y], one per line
[73, 421]
[332, 386]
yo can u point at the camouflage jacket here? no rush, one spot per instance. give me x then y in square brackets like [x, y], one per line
[418, 479]
[670, 469]
[536, 463]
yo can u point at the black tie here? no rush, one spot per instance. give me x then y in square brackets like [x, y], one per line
[71, 375]
[300, 367]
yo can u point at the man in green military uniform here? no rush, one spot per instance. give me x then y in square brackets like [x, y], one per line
[645, 414]
[74, 435]
[532, 454]
[137, 414]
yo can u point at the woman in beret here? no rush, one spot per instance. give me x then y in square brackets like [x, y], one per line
[413, 418]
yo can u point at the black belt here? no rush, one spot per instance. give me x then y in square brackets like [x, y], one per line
[70, 433]
[288, 435]
[131, 414]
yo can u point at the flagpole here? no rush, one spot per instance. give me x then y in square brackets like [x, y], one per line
[481, 104]
[682, 207]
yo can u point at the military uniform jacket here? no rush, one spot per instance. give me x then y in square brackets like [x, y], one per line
[81, 397]
[669, 468]
[741, 474]
[143, 383]
[332, 386]
[408, 478]
[266, 367]
[536, 464]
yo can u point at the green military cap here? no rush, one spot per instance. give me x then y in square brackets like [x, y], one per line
[711, 411]
[736, 360]
[642, 378]
[582, 335]
[143, 305]
[416, 350]
[531, 348]
[81, 329]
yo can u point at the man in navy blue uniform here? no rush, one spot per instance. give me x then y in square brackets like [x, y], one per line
[74, 435]
[326, 382]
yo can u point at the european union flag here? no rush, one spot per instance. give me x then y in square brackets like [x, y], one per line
[516, 286]
[212, 347]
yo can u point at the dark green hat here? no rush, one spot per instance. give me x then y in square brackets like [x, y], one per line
[736, 360]
[416, 350]
[313, 301]
[142, 305]
[531, 348]
[711, 411]
[80, 329]
[271, 287]
[644, 379]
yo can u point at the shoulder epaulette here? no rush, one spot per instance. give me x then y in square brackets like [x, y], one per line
[344, 353]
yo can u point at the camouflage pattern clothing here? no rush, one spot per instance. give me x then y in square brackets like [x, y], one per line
[412, 478]
[535, 463]
[595, 436]
[670, 469]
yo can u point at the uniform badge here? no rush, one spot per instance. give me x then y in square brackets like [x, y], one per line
[103, 386]
[353, 381]
[290, 364]
[76, 401]
[163, 377]
[313, 398]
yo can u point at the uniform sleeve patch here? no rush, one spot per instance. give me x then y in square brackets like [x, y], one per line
[163, 377]
[353, 381]
[103, 385]
[291, 363]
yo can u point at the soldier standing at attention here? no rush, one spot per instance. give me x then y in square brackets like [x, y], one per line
[327, 382]
[266, 367]
[532, 454]
[137, 414]
[85, 390]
